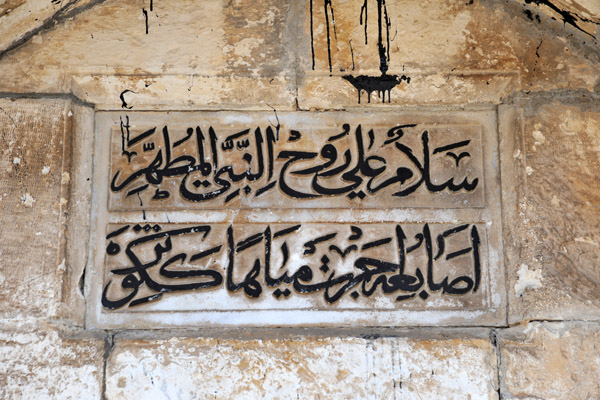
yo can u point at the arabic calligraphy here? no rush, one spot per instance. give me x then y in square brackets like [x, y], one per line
[403, 262]
[214, 166]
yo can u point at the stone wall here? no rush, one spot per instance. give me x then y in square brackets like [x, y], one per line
[534, 65]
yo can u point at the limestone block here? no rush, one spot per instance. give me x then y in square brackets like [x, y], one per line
[550, 361]
[552, 223]
[434, 52]
[40, 362]
[34, 182]
[185, 92]
[208, 42]
[308, 368]
[22, 17]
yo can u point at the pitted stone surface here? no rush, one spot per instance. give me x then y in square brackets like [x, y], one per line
[33, 200]
[304, 368]
[553, 262]
[555, 360]
[41, 362]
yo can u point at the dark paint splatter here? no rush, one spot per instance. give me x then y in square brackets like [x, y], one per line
[352, 54]
[122, 97]
[385, 83]
[381, 84]
[567, 16]
[538, 48]
[530, 16]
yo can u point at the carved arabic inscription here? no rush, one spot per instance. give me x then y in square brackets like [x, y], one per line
[350, 165]
[221, 213]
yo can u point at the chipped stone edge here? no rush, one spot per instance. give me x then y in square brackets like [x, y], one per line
[81, 138]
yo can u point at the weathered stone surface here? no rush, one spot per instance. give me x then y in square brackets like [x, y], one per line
[185, 92]
[439, 52]
[453, 53]
[38, 361]
[552, 223]
[349, 368]
[550, 361]
[580, 15]
[34, 177]
[20, 18]
[207, 44]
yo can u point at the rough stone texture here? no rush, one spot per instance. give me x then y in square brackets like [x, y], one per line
[219, 40]
[34, 193]
[20, 19]
[582, 15]
[553, 263]
[550, 361]
[38, 361]
[308, 368]
[453, 52]
[537, 59]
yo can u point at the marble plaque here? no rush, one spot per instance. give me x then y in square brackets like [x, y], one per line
[296, 219]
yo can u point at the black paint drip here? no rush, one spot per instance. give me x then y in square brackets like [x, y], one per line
[327, 5]
[364, 10]
[384, 83]
[381, 84]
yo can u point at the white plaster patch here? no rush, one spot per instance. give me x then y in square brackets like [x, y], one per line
[529, 170]
[517, 154]
[528, 279]
[27, 200]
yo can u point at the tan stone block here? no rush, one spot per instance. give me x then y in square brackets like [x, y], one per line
[333, 92]
[214, 38]
[19, 18]
[40, 362]
[34, 142]
[185, 92]
[552, 220]
[306, 368]
[434, 52]
[550, 361]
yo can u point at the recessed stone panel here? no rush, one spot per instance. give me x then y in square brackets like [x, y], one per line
[279, 219]
[302, 161]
